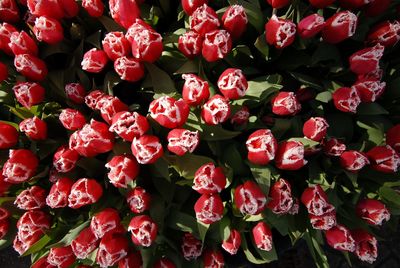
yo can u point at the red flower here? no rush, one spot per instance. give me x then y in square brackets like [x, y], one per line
[353, 160]
[123, 170]
[339, 237]
[138, 200]
[22, 43]
[290, 155]
[209, 179]
[281, 197]
[115, 45]
[232, 243]
[323, 222]
[249, 198]
[189, 6]
[94, 60]
[129, 69]
[216, 45]
[353, 4]
[31, 67]
[339, 27]
[191, 247]
[5, 33]
[195, 90]
[59, 192]
[384, 159]
[393, 137]
[65, 159]
[216, 110]
[164, 263]
[232, 83]
[315, 128]
[3, 71]
[48, 30]
[280, 32]
[262, 236]
[385, 33]
[241, 117]
[369, 90]
[285, 103]
[316, 201]
[144, 230]
[95, 8]
[8, 137]
[147, 149]
[34, 128]
[190, 44]
[209, 208]
[84, 192]
[168, 112]
[129, 125]
[93, 139]
[106, 222]
[20, 166]
[31, 198]
[9, 11]
[42, 263]
[62, 257]
[235, 20]
[112, 249]
[4, 222]
[84, 243]
[181, 141]
[124, 12]
[376, 8]
[28, 93]
[72, 119]
[366, 60]
[213, 259]
[75, 92]
[49, 8]
[334, 147]
[70, 8]
[346, 99]
[372, 211]
[134, 259]
[146, 42]
[310, 26]
[278, 3]
[366, 246]
[204, 20]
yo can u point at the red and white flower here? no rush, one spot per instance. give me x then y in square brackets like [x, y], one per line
[353, 160]
[190, 44]
[59, 192]
[84, 192]
[209, 208]
[169, 112]
[95, 8]
[369, 90]
[129, 125]
[339, 27]
[144, 230]
[232, 83]
[84, 243]
[285, 103]
[34, 128]
[216, 45]
[366, 246]
[340, 238]
[129, 69]
[386, 33]
[189, 6]
[281, 200]
[209, 179]
[233, 242]
[28, 94]
[334, 147]
[48, 30]
[216, 110]
[109, 106]
[204, 20]
[62, 257]
[346, 99]
[75, 92]
[138, 200]
[241, 117]
[22, 43]
[112, 249]
[133, 259]
[20, 166]
[310, 26]
[280, 32]
[213, 259]
[124, 12]
[195, 90]
[262, 236]
[31, 198]
[316, 201]
[31, 67]
[192, 247]
[65, 159]
[372, 211]
[72, 119]
[249, 198]
[123, 170]
[94, 60]
[393, 137]
[6, 30]
[106, 222]
[235, 20]
[366, 60]
[147, 149]
[323, 222]
[384, 159]
[315, 128]
[9, 11]
[115, 45]
[290, 155]
[181, 141]
[8, 136]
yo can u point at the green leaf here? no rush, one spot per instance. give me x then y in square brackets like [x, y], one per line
[316, 250]
[306, 142]
[110, 24]
[188, 164]
[307, 80]
[375, 133]
[371, 109]
[224, 228]
[111, 79]
[181, 221]
[41, 243]
[262, 46]
[202, 229]
[263, 175]
[390, 195]
[254, 14]
[249, 255]
[326, 52]
[190, 66]
[217, 133]
[325, 97]
[72, 233]
[162, 82]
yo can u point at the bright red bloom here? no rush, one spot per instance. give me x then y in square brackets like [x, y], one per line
[285, 103]
[95, 8]
[65, 159]
[261, 146]
[232, 83]
[20, 166]
[3, 71]
[190, 44]
[5, 33]
[31, 198]
[235, 20]
[209, 208]
[48, 30]
[334, 147]
[84, 192]
[123, 170]
[8, 136]
[366, 246]
[134, 259]
[75, 92]
[233, 242]
[339, 27]
[280, 32]
[393, 137]
[316, 201]
[4, 222]
[94, 60]
[9, 11]
[369, 90]
[353, 160]
[346, 99]
[372, 211]
[262, 236]
[146, 42]
[42, 263]
[191, 247]
[189, 6]
[31, 67]
[366, 60]
[195, 90]
[216, 45]
[213, 259]
[124, 12]
[168, 112]
[62, 257]
[385, 33]
[315, 128]
[290, 155]
[323, 222]
[216, 110]
[339, 237]
[353, 4]
[138, 200]
[278, 3]
[59, 192]
[112, 249]
[129, 69]
[106, 222]
[84, 243]
[310, 26]
[181, 141]
[204, 20]
[376, 8]
[34, 128]
[129, 125]
[72, 119]
[384, 159]
[49, 8]
[22, 43]
[147, 149]
[143, 229]
[241, 117]
[281, 197]
[209, 179]
[115, 45]
[249, 198]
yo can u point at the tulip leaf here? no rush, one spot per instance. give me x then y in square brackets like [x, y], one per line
[72, 233]
[41, 243]
[188, 164]
[161, 81]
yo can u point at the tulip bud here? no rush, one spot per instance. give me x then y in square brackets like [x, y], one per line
[316, 201]
[384, 159]
[147, 149]
[134, 259]
[195, 90]
[129, 69]
[31, 198]
[285, 103]
[168, 112]
[262, 236]
[28, 94]
[112, 249]
[129, 125]
[143, 229]
[106, 222]
[124, 12]
[94, 60]
[138, 200]
[62, 257]
[366, 246]
[22, 43]
[95, 8]
[280, 32]
[278, 3]
[235, 20]
[315, 128]
[75, 92]
[48, 30]
[181, 141]
[84, 243]
[385, 33]
[209, 179]
[115, 45]
[20, 166]
[281, 197]
[232, 243]
[72, 119]
[59, 192]
[249, 198]
[346, 99]
[290, 155]
[366, 60]
[216, 45]
[369, 90]
[323, 222]
[310, 26]
[241, 117]
[339, 238]
[9, 11]
[190, 44]
[209, 208]
[204, 20]
[232, 83]
[123, 170]
[84, 192]
[189, 6]
[216, 110]
[353, 160]
[31, 67]
[213, 259]
[334, 147]
[393, 137]
[8, 137]
[339, 27]
[191, 247]
[372, 211]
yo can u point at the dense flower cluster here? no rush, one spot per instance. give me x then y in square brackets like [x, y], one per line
[135, 136]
